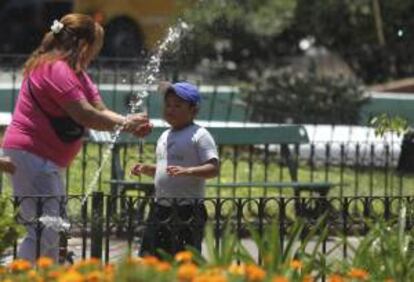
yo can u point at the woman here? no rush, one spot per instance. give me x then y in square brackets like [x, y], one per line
[56, 100]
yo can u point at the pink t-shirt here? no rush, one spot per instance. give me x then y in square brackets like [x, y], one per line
[53, 84]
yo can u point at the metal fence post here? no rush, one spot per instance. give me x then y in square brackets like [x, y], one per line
[97, 224]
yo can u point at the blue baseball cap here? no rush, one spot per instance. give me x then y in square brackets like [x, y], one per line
[186, 91]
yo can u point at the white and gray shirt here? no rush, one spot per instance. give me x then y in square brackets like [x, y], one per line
[190, 146]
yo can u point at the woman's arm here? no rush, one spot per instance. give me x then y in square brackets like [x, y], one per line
[147, 169]
[98, 117]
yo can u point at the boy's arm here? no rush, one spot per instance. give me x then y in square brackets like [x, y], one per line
[208, 169]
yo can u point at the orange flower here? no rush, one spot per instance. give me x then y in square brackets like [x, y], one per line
[150, 261]
[20, 265]
[109, 268]
[163, 266]
[94, 276]
[134, 260]
[358, 273]
[71, 276]
[2, 270]
[54, 274]
[32, 274]
[44, 262]
[255, 273]
[92, 261]
[336, 278]
[236, 269]
[184, 256]
[296, 264]
[210, 278]
[308, 278]
[280, 279]
[187, 272]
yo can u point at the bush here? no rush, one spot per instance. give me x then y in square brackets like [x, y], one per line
[306, 98]
[10, 230]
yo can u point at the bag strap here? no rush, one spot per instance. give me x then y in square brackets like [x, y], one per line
[29, 86]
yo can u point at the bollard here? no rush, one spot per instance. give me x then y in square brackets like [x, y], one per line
[97, 224]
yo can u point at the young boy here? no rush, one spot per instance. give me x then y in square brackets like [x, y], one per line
[186, 155]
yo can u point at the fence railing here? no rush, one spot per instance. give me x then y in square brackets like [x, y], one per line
[96, 226]
[376, 175]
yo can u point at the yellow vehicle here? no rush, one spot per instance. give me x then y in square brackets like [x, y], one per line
[131, 26]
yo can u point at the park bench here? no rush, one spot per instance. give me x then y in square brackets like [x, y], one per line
[250, 134]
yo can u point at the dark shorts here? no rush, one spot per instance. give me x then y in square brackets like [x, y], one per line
[171, 229]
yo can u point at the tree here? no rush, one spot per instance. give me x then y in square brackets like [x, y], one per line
[373, 36]
[234, 36]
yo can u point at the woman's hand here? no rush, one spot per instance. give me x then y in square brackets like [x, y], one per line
[6, 165]
[146, 169]
[138, 124]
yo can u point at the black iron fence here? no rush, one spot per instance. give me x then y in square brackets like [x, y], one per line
[96, 226]
[373, 173]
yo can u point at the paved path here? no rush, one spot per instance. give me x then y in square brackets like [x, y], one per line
[118, 249]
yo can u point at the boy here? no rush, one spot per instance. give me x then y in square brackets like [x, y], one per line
[186, 155]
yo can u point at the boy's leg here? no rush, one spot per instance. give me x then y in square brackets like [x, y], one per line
[193, 219]
[157, 234]
[148, 238]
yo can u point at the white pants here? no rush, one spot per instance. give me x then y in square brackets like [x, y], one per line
[36, 176]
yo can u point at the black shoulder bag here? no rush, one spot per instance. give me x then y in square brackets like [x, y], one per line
[65, 127]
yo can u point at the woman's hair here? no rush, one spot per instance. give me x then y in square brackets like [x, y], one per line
[77, 42]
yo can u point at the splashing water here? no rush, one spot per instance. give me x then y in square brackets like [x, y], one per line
[147, 78]
[56, 223]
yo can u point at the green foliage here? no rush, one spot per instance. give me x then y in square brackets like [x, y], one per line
[9, 229]
[385, 252]
[384, 123]
[234, 35]
[306, 98]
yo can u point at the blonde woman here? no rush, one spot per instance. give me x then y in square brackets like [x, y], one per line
[57, 101]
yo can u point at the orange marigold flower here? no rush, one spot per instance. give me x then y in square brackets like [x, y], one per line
[54, 274]
[150, 260]
[358, 273]
[187, 271]
[280, 279]
[109, 268]
[20, 265]
[255, 273]
[134, 260]
[210, 278]
[163, 266]
[92, 261]
[71, 276]
[236, 269]
[336, 278]
[44, 262]
[32, 274]
[296, 264]
[94, 276]
[2, 270]
[308, 278]
[184, 256]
